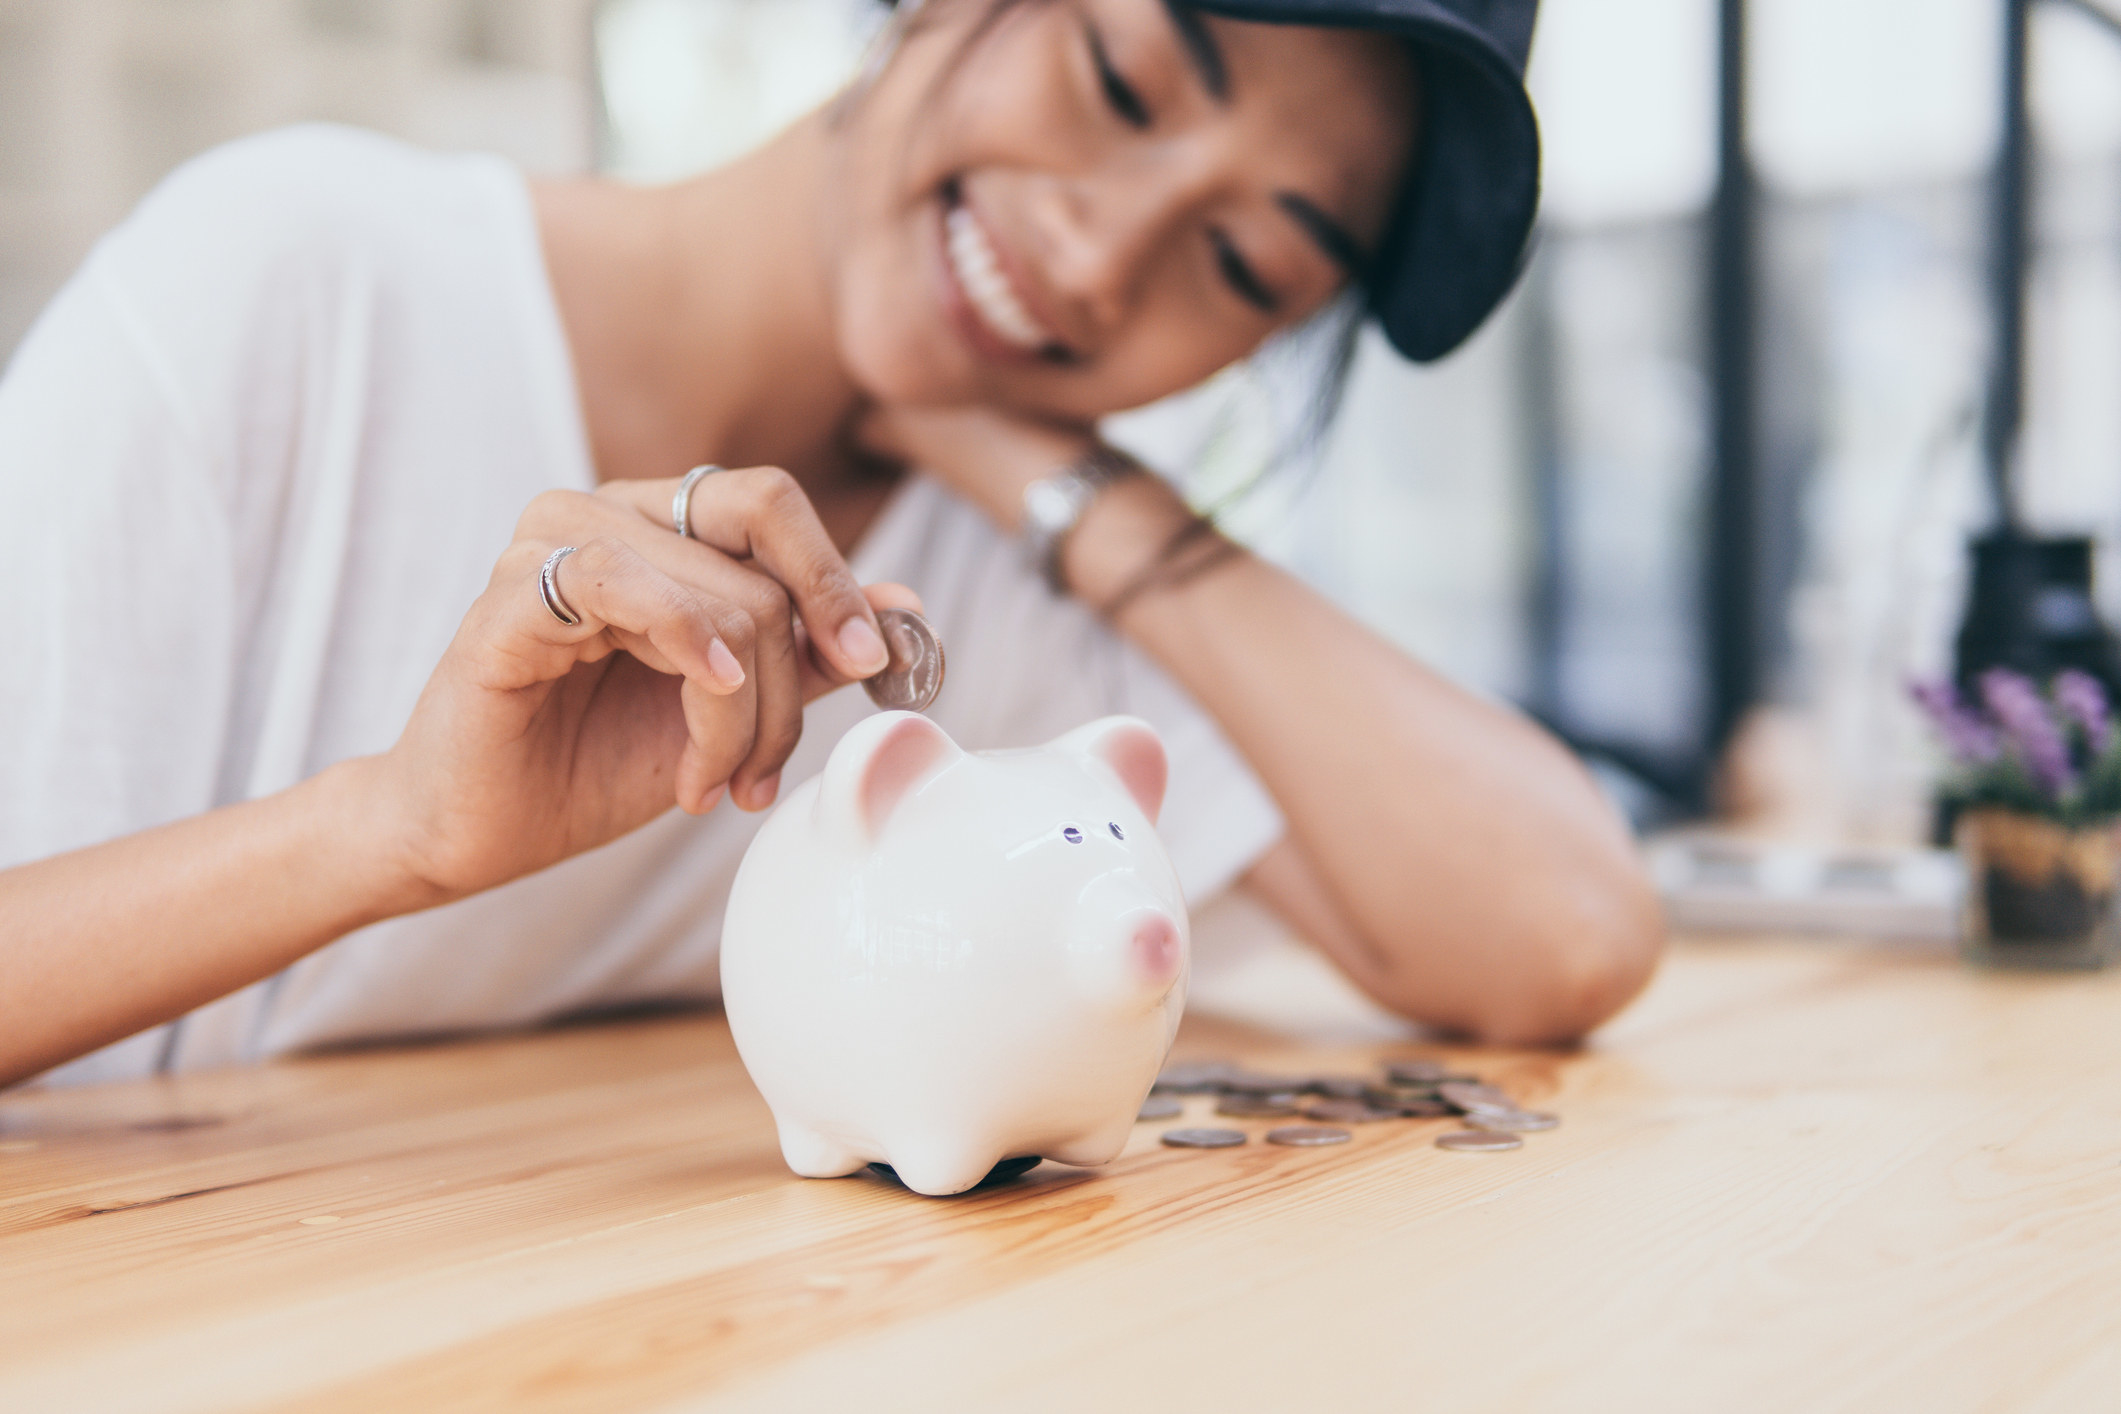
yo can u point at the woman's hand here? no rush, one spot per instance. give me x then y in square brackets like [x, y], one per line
[688, 673]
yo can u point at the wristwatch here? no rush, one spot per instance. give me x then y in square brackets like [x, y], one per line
[1053, 504]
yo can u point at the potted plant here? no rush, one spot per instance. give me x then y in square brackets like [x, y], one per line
[2035, 785]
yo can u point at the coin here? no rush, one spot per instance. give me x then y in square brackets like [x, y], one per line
[1472, 1095]
[1160, 1107]
[1307, 1135]
[913, 677]
[1414, 1104]
[1417, 1072]
[1338, 1087]
[1242, 1106]
[1478, 1141]
[1347, 1111]
[1207, 1138]
[1194, 1077]
[1245, 1082]
[1512, 1121]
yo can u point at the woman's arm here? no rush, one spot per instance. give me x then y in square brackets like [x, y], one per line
[532, 742]
[103, 942]
[1446, 852]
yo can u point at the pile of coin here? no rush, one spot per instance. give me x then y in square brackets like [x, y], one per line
[1406, 1089]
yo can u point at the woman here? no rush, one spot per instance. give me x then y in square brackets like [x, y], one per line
[265, 694]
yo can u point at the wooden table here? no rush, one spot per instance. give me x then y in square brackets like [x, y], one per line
[1796, 1177]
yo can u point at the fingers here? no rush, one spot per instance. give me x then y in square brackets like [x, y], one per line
[775, 662]
[675, 628]
[818, 676]
[761, 514]
[735, 634]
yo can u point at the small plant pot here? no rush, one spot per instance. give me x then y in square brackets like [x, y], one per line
[2039, 894]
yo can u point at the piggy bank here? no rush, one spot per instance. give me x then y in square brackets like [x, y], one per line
[939, 959]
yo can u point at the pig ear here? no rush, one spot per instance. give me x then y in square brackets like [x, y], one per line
[874, 768]
[1131, 747]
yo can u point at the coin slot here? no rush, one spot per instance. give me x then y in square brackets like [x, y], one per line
[1071, 834]
[1113, 826]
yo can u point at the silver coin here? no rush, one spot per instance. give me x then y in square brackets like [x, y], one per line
[1472, 1095]
[1413, 1104]
[1347, 1111]
[1478, 1141]
[913, 677]
[1257, 1106]
[1203, 1138]
[1417, 1072]
[1160, 1107]
[1194, 1077]
[1245, 1082]
[1511, 1121]
[1305, 1136]
[1338, 1087]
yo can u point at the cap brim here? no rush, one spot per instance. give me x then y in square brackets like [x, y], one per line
[1458, 236]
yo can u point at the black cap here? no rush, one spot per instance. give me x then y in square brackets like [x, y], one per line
[1457, 237]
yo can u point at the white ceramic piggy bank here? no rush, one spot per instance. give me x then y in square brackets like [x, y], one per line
[938, 960]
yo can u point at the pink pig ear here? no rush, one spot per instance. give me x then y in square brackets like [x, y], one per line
[1131, 747]
[878, 764]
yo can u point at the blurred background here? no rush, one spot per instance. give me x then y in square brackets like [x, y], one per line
[1698, 496]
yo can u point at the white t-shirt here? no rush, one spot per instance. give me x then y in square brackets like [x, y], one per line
[256, 462]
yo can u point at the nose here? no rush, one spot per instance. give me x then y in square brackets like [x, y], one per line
[1103, 229]
[1156, 950]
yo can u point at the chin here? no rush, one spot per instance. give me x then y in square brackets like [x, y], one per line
[891, 367]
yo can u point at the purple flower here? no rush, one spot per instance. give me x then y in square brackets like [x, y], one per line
[2029, 729]
[2083, 701]
[1970, 740]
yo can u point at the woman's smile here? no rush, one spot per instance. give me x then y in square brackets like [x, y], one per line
[984, 297]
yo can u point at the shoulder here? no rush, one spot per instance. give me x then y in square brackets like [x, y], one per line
[286, 203]
[259, 260]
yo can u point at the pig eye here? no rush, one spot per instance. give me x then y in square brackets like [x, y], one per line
[1071, 834]
[1113, 826]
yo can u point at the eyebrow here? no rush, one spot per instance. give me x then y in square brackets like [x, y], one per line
[1201, 48]
[1332, 237]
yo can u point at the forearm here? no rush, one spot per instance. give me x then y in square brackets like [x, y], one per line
[103, 942]
[1465, 870]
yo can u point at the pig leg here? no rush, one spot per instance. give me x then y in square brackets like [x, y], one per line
[1099, 1146]
[939, 1169]
[812, 1155]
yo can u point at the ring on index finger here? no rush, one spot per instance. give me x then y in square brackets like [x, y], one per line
[549, 588]
[681, 503]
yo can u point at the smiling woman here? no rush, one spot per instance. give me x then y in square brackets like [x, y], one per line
[360, 778]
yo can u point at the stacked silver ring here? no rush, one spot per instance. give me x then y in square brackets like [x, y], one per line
[681, 503]
[549, 589]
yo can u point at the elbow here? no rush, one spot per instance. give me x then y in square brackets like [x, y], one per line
[1581, 953]
[1597, 955]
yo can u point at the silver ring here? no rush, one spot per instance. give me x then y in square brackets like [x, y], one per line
[681, 504]
[549, 589]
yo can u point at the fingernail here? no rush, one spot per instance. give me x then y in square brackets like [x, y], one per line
[862, 646]
[762, 794]
[709, 801]
[723, 664]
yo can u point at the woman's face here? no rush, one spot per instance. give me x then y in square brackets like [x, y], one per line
[1070, 207]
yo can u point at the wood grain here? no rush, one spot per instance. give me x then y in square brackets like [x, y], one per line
[1796, 1176]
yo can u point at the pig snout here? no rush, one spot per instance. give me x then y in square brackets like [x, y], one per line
[1129, 947]
[1157, 952]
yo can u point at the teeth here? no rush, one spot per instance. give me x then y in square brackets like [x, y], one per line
[972, 257]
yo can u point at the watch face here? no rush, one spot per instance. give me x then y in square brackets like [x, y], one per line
[1051, 505]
